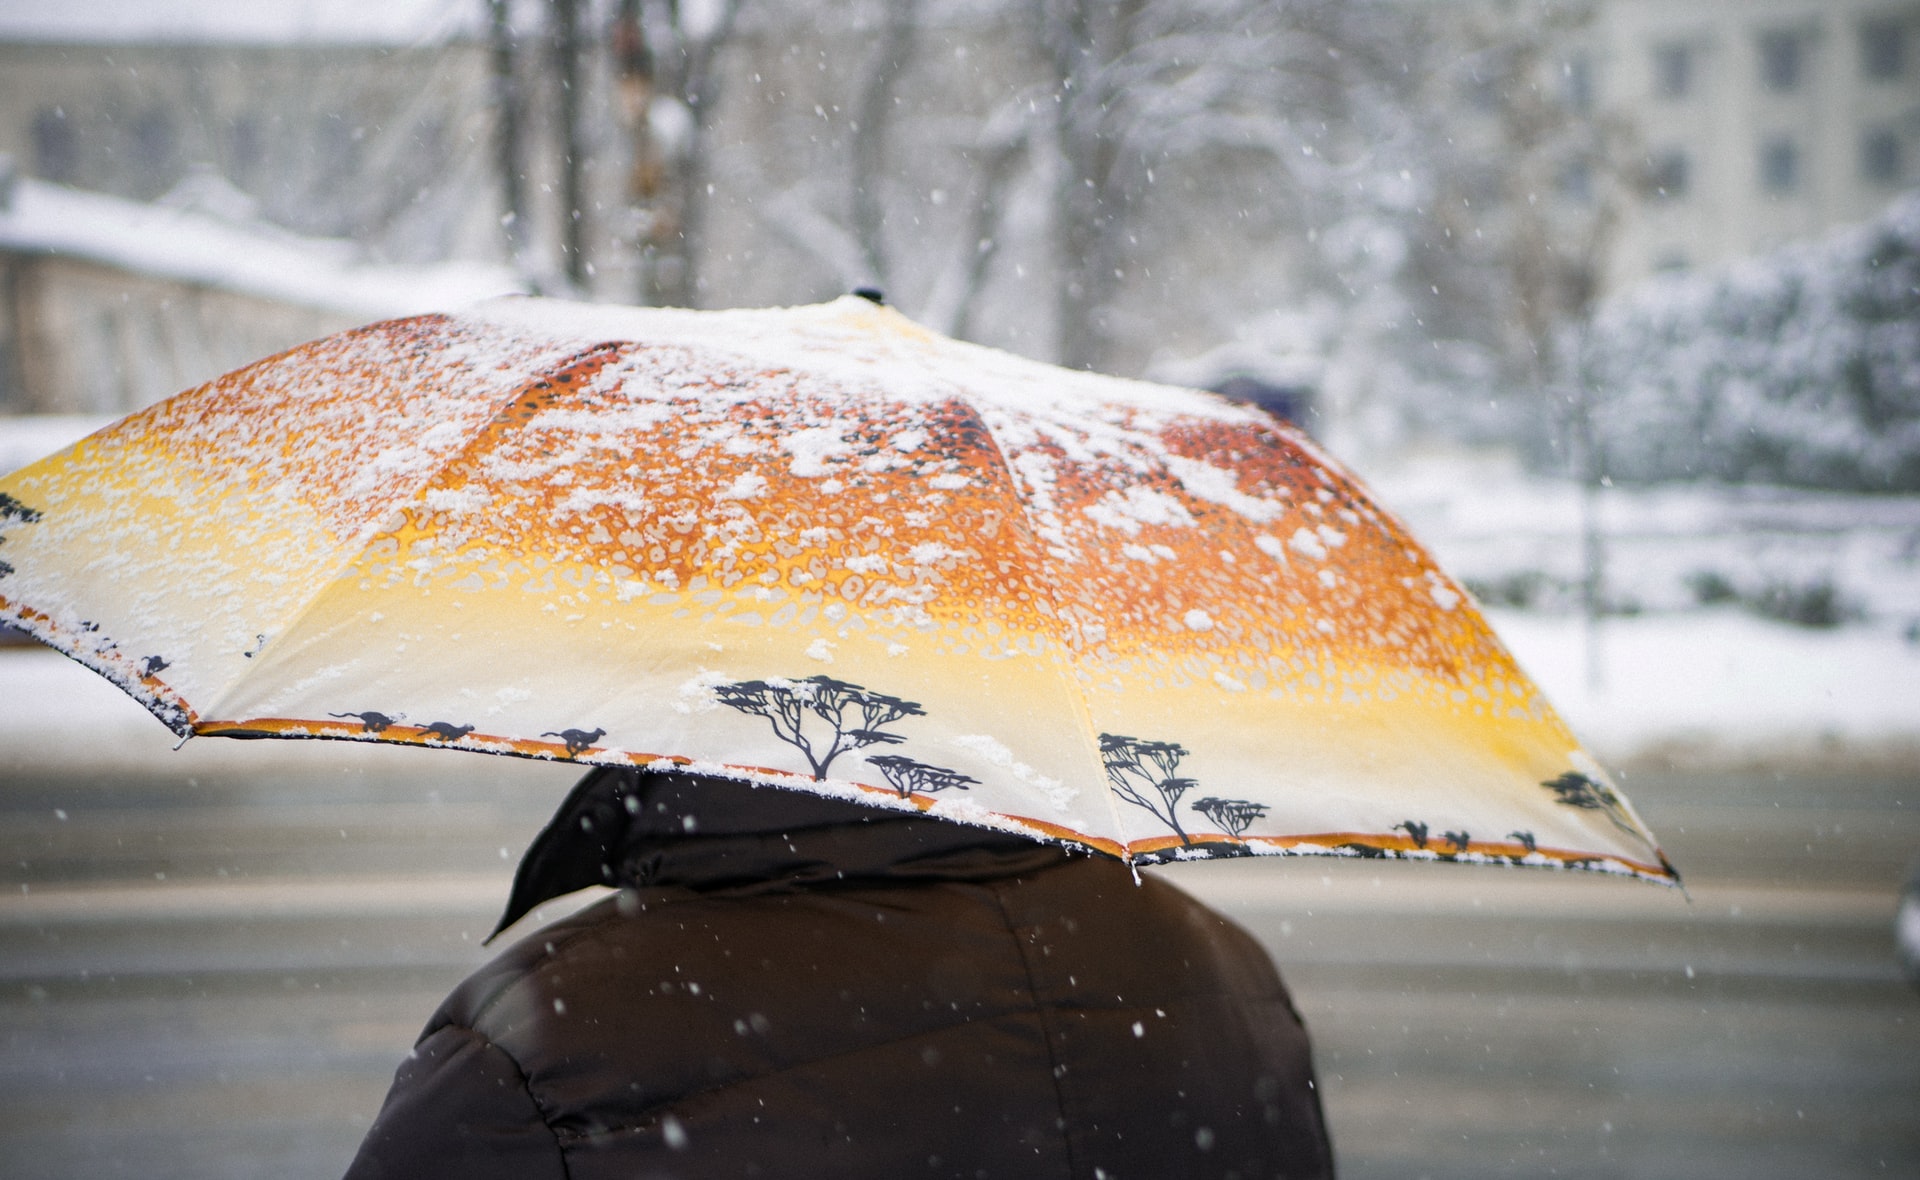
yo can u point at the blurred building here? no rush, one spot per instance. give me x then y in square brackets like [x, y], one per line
[107, 305]
[192, 187]
[1757, 121]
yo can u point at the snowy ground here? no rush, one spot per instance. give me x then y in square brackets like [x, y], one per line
[1698, 660]
[1677, 681]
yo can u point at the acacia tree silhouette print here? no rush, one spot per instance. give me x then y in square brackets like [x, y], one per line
[787, 705]
[1232, 814]
[1144, 774]
[911, 776]
[1578, 790]
[10, 510]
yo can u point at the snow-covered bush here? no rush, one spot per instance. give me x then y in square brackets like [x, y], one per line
[1798, 367]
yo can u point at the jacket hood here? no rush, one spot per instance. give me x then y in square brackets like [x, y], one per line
[632, 828]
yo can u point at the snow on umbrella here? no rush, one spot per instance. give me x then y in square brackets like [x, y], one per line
[818, 548]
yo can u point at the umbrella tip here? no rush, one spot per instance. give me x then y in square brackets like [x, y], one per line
[872, 295]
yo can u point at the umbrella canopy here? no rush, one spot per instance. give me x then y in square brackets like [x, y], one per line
[817, 547]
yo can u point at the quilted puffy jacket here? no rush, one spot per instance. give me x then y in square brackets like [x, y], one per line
[787, 985]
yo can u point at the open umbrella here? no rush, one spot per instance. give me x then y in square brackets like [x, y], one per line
[819, 548]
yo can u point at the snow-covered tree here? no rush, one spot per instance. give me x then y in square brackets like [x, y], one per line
[1800, 367]
[1143, 89]
[1523, 180]
[669, 69]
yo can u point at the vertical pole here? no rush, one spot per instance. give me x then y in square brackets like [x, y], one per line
[1592, 539]
[566, 73]
[506, 102]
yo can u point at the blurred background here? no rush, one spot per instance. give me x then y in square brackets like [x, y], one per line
[1616, 302]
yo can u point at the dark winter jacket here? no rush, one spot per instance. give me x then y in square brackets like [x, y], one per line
[790, 986]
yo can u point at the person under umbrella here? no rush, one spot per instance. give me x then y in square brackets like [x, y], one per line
[822, 549]
[793, 985]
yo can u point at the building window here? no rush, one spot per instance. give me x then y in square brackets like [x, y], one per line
[1577, 73]
[1883, 50]
[246, 145]
[1880, 156]
[1576, 181]
[56, 154]
[153, 141]
[1673, 71]
[1482, 90]
[1668, 175]
[1779, 166]
[1783, 55]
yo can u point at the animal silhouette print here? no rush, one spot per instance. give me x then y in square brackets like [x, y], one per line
[578, 741]
[851, 715]
[446, 731]
[910, 775]
[1417, 832]
[373, 722]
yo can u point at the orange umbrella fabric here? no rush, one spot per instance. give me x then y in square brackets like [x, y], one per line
[819, 548]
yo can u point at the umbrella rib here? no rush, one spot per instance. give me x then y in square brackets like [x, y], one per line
[1089, 734]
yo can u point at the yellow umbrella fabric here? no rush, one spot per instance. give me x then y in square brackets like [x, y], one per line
[817, 547]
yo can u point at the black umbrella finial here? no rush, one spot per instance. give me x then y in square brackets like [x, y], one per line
[872, 295]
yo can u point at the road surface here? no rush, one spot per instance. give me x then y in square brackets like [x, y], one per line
[210, 969]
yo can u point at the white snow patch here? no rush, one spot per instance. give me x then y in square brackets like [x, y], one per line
[746, 486]
[813, 449]
[1197, 620]
[1721, 684]
[1126, 510]
[1057, 794]
[932, 552]
[1305, 543]
[1218, 486]
[1271, 546]
[458, 501]
[670, 123]
[820, 649]
[601, 427]
[696, 693]
[580, 501]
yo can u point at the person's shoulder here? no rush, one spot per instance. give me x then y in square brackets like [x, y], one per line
[526, 965]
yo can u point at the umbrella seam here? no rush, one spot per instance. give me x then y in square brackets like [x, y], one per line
[1090, 735]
